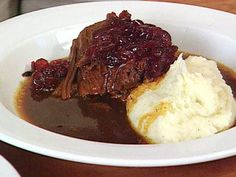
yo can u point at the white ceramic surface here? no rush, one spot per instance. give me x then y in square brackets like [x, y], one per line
[6, 169]
[48, 33]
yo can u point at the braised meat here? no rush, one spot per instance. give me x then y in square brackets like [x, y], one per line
[110, 57]
[116, 55]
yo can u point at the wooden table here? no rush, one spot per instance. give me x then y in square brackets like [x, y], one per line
[225, 5]
[33, 165]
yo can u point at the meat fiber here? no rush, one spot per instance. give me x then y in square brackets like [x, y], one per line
[116, 55]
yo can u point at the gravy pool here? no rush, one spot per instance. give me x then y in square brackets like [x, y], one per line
[97, 119]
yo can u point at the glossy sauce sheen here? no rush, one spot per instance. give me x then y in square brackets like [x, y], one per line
[97, 119]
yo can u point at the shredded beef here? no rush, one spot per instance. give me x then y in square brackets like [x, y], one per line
[116, 55]
[110, 57]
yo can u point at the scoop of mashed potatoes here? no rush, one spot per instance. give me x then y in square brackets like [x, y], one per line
[191, 101]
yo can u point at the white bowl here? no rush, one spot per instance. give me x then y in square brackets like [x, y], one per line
[6, 169]
[48, 33]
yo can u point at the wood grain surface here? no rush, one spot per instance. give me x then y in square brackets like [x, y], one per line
[225, 5]
[33, 165]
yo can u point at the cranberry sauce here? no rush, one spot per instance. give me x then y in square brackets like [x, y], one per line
[46, 76]
[123, 39]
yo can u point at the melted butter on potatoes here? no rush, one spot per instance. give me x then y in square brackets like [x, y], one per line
[191, 101]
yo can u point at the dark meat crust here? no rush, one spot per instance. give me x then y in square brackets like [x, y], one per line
[116, 55]
[77, 56]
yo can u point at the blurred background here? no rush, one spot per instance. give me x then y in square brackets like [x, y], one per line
[10, 8]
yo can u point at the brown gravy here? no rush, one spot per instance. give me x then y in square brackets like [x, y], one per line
[97, 119]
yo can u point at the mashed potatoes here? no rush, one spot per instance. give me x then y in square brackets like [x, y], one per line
[189, 102]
